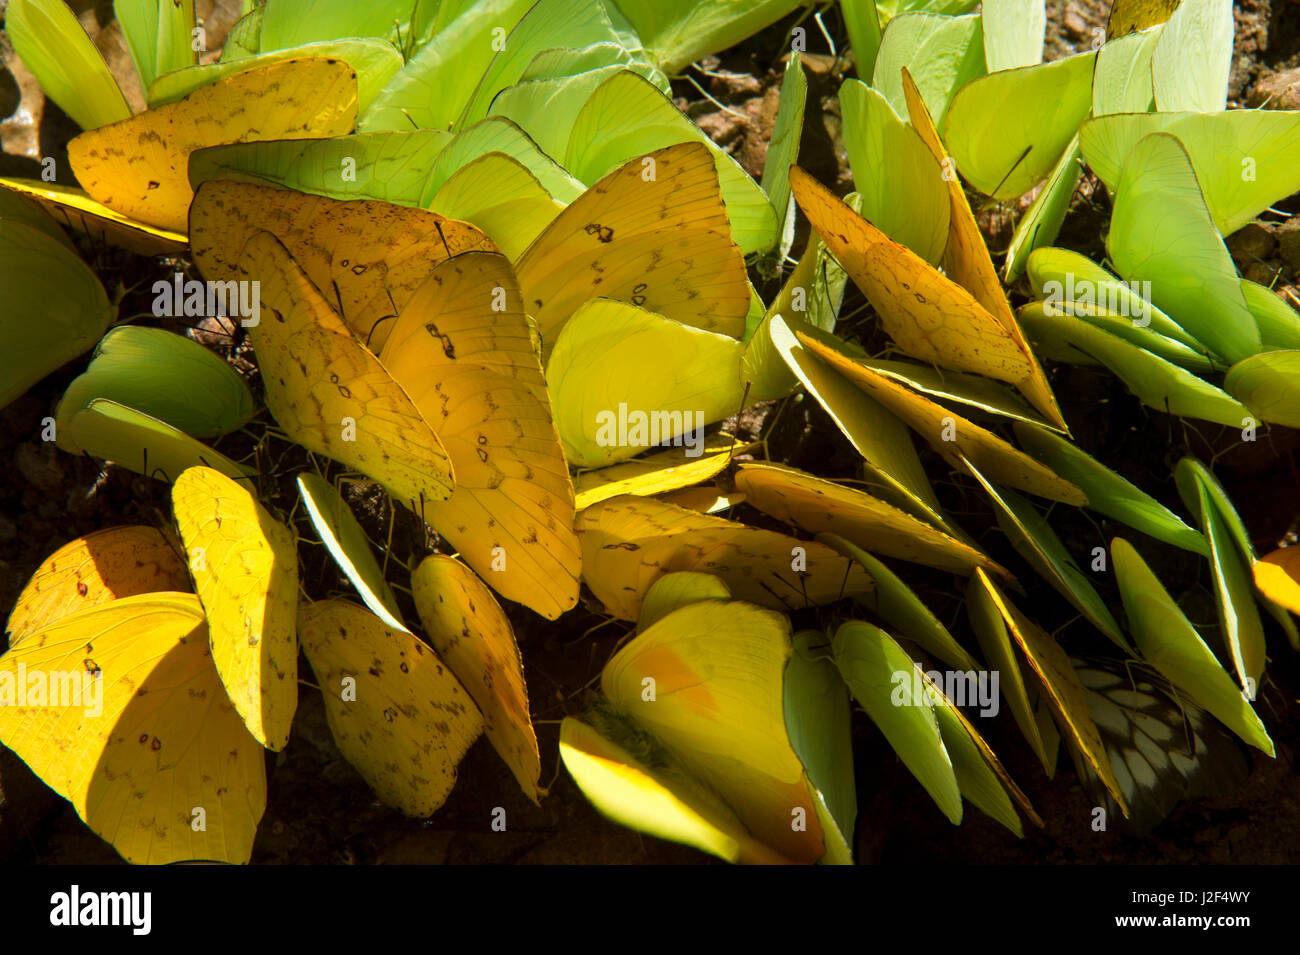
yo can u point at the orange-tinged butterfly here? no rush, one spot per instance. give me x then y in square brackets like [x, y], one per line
[927, 314]
[966, 259]
[93, 570]
[467, 628]
[462, 349]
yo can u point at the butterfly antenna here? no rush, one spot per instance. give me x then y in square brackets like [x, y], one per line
[338, 296]
[705, 93]
[848, 569]
[592, 629]
[1023, 156]
[379, 321]
[388, 543]
[821, 25]
[743, 398]
[402, 44]
[445, 245]
[769, 424]
[1189, 734]
[765, 586]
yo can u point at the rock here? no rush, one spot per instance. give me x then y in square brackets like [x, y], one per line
[10, 94]
[1288, 241]
[1075, 25]
[752, 154]
[8, 529]
[725, 83]
[1253, 242]
[722, 127]
[1259, 272]
[1279, 90]
[817, 64]
[40, 465]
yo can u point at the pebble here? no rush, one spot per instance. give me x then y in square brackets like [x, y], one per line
[724, 83]
[1280, 90]
[40, 465]
[723, 128]
[1288, 241]
[1252, 242]
[1075, 25]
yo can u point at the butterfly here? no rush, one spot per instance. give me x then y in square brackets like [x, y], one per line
[689, 741]
[1162, 747]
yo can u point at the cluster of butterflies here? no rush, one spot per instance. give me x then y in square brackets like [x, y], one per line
[447, 311]
[1146, 112]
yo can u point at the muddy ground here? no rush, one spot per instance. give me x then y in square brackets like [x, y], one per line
[319, 810]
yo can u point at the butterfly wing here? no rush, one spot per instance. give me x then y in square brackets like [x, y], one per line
[654, 232]
[463, 351]
[96, 569]
[1163, 748]
[467, 628]
[168, 749]
[328, 392]
[245, 568]
[706, 682]
[364, 257]
[396, 711]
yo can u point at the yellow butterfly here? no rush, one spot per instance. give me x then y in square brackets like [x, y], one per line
[653, 233]
[138, 167]
[462, 349]
[663, 471]
[134, 172]
[629, 542]
[366, 258]
[817, 505]
[966, 259]
[608, 409]
[151, 754]
[96, 569]
[927, 314]
[1061, 684]
[467, 628]
[328, 392]
[690, 742]
[1277, 575]
[397, 713]
[245, 568]
[948, 433]
[78, 212]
